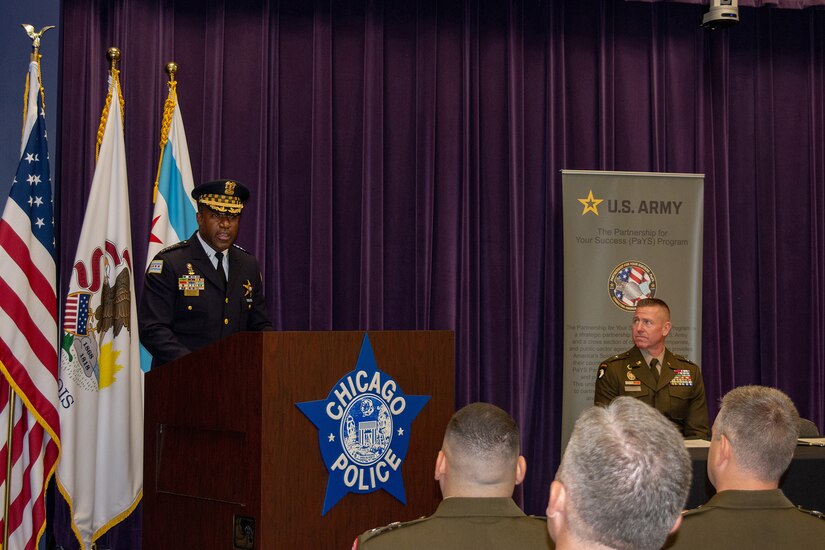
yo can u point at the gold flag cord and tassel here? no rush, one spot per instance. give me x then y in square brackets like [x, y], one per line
[166, 122]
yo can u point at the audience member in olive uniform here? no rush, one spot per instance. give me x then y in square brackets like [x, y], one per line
[477, 468]
[754, 437]
[622, 482]
[187, 301]
[651, 373]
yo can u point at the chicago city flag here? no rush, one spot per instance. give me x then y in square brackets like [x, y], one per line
[173, 219]
[28, 332]
[101, 415]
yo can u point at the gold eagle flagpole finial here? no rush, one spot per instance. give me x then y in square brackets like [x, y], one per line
[35, 36]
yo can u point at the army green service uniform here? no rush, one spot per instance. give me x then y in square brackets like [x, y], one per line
[749, 519]
[679, 394]
[463, 523]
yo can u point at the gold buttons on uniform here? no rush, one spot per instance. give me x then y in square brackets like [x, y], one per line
[189, 308]
[226, 321]
[226, 300]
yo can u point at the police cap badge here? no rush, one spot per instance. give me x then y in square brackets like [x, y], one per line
[224, 196]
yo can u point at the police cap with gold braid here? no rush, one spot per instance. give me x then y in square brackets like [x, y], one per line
[224, 196]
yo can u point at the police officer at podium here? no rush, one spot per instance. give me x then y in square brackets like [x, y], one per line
[205, 288]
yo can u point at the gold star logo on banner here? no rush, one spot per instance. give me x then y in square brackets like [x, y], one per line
[590, 203]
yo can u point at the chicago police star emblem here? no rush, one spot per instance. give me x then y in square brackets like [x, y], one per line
[364, 430]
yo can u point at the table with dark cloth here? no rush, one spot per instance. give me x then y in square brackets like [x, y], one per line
[803, 482]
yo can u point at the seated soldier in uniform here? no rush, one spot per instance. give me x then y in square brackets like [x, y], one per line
[752, 444]
[653, 374]
[623, 480]
[478, 467]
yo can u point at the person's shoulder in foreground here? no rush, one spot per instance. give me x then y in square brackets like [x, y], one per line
[460, 522]
[477, 468]
[753, 441]
[750, 519]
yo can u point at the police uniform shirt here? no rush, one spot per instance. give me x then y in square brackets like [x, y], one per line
[210, 253]
[185, 306]
[749, 519]
[679, 393]
[463, 523]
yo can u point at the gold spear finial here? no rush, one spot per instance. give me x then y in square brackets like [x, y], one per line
[113, 55]
[35, 36]
[171, 68]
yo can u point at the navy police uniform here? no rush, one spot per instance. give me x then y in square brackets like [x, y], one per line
[679, 394]
[185, 303]
[463, 523]
[175, 321]
[749, 519]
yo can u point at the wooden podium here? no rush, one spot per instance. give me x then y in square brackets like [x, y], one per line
[227, 451]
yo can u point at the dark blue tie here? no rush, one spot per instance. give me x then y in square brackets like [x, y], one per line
[221, 272]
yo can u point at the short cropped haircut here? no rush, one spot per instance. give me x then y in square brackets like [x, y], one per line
[485, 434]
[762, 425]
[627, 473]
[653, 302]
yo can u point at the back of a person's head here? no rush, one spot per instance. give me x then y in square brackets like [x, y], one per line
[762, 425]
[482, 443]
[626, 473]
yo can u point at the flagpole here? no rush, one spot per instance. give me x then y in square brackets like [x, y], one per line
[168, 111]
[12, 397]
[7, 491]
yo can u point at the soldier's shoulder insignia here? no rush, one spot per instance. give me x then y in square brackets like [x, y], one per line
[155, 267]
[814, 513]
[242, 249]
[696, 511]
[618, 357]
[378, 531]
[684, 359]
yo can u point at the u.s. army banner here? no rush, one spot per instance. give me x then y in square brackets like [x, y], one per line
[627, 236]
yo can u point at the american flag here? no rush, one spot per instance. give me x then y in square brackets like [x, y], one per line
[634, 274]
[76, 313]
[28, 332]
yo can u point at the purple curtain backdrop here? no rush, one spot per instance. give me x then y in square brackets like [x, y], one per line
[404, 160]
[783, 4]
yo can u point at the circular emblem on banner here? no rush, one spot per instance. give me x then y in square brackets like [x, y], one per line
[366, 433]
[630, 282]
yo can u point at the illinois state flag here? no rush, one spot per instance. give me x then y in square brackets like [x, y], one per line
[173, 219]
[28, 332]
[101, 468]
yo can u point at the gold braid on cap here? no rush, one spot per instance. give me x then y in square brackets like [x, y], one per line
[222, 203]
